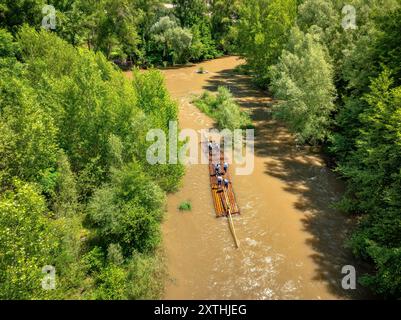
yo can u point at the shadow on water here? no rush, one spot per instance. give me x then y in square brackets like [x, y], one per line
[305, 175]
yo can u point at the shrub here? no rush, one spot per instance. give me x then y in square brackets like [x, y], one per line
[185, 206]
[223, 108]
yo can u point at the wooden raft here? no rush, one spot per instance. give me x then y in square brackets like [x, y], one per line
[219, 198]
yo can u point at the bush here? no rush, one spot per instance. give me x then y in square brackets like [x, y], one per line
[111, 284]
[146, 276]
[128, 211]
[185, 206]
[223, 108]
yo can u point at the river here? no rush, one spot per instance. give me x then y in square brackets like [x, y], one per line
[292, 240]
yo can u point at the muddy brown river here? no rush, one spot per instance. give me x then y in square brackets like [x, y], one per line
[292, 240]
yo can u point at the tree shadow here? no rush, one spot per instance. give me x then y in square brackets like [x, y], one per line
[305, 175]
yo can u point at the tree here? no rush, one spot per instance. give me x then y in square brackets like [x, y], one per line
[175, 40]
[27, 242]
[117, 35]
[8, 48]
[303, 80]
[262, 32]
[127, 211]
[190, 12]
[27, 133]
[203, 45]
[14, 13]
[224, 15]
[374, 184]
[362, 61]
[73, 129]
[66, 193]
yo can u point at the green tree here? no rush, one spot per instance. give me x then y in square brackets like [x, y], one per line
[224, 15]
[8, 48]
[66, 193]
[374, 184]
[262, 32]
[27, 243]
[127, 212]
[75, 127]
[301, 69]
[27, 133]
[117, 35]
[189, 12]
[175, 41]
[111, 284]
[14, 13]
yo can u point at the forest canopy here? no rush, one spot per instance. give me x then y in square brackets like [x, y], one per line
[72, 131]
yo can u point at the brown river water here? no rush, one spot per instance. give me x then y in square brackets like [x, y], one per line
[291, 239]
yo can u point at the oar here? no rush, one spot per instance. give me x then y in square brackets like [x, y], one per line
[230, 220]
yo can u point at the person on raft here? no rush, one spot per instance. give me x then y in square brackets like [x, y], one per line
[217, 168]
[225, 167]
[210, 146]
[226, 183]
[219, 181]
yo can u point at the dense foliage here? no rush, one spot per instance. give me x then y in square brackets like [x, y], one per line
[76, 190]
[139, 32]
[73, 141]
[262, 32]
[338, 84]
[223, 108]
[302, 67]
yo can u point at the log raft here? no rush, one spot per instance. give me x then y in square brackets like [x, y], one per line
[223, 198]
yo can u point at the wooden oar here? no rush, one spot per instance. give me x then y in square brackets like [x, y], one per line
[230, 220]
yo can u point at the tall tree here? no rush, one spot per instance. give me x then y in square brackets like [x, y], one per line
[263, 31]
[190, 12]
[303, 67]
[224, 15]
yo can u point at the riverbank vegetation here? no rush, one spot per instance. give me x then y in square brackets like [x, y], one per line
[336, 71]
[223, 108]
[76, 190]
[135, 32]
[185, 206]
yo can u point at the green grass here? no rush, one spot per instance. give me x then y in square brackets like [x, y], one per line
[185, 206]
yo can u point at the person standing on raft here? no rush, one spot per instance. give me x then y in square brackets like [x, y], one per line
[210, 146]
[217, 168]
[219, 181]
[226, 183]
